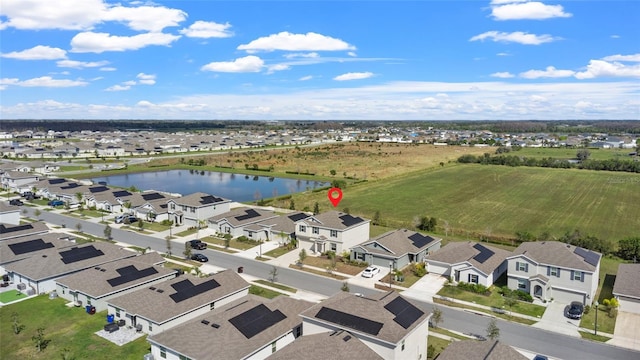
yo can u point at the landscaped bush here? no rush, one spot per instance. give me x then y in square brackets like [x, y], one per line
[419, 269]
[166, 222]
[519, 294]
[474, 288]
[246, 240]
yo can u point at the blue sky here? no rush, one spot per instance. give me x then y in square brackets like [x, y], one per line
[413, 60]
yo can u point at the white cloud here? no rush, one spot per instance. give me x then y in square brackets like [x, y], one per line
[246, 64]
[39, 52]
[614, 36]
[549, 72]
[129, 83]
[296, 42]
[145, 18]
[503, 54]
[632, 58]
[502, 75]
[207, 29]
[306, 78]
[101, 42]
[146, 79]
[44, 81]
[502, 2]
[533, 10]
[301, 55]
[118, 88]
[277, 67]
[600, 68]
[80, 64]
[516, 37]
[109, 68]
[352, 54]
[353, 76]
[64, 15]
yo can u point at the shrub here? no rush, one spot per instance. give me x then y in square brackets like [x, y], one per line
[474, 288]
[587, 309]
[419, 269]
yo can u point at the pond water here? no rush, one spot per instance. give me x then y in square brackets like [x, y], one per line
[236, 187]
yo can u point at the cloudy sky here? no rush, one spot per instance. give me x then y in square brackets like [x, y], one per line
[431, 60]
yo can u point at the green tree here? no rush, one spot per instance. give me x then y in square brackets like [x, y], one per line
[292, 205]
[16, 324]
[316, 208]
[493, 331]
[302, 255]
[583, 154]
[629, 248]
[37, 213]
[107, 232]
[332, 172]
[273, 274]
[79, 226]
[39, 340]
[345, 286]
[187, 250]
[376, 218]
[79, 198]
[140, 224]
[436, 318]
[510, 300]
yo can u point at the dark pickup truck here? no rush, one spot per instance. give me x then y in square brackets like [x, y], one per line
[197, 244]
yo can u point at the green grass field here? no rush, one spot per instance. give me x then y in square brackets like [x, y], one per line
[500, 200]
[564, 153]
[11, 295]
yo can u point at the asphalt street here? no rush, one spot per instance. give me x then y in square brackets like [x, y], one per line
[521, 336]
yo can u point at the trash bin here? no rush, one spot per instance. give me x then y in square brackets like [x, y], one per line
[110, 318]
[92, 310]
[87, 309]
[240, 269]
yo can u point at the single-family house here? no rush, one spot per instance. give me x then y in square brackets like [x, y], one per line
[389, 324]
[194, 208]
[399, 247]
[41, 271]
[236, 221]
[283, 227]
[480, 350]
[331, 231]
[11, 231]
[248, 328]
[468, 261]
[18, 248]
[326, 345]
[157, 308]
[18, 181]
[554, 270]
[95, 286]
[9, 214]
[627, 288]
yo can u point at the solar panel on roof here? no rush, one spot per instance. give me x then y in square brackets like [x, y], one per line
[483, 255]
[188, 292]
[419, 240]
[256, 320]
[29, 246]
[297, 217]
[98, 189]
[130, 273]
[121, 193]
[152, 196]
[79, 254]
[209, 199]
[348, 220]
[350, 321]
[5, 230]
[70, 186]
[249, 214]
[589, 256]
[406, 314]
[56, 181]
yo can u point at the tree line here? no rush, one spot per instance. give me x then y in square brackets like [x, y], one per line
[625, 165]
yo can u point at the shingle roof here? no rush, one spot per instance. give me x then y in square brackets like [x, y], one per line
[479, 350]
[285, 223]
[457, 252]
[334, 220]
[370, 309]
[200, 199]
[158, 306]
[401, 242]
[244, 215]
[327, 345]
[5, 207]
[627, 283]
[49, 263]
[9, 231]
[198, 340]
[95, 281]
[555, 253]
[7, 254]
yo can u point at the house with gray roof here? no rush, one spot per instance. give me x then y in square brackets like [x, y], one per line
[400, 247]
[18, 248]
[387, 323]
[248, 328]
[157, 308]
[323, 346]
[194, 208]
[9, 214]
[18, 181]
[12, 231]
[39, 272]
[468, 261]
[96, 285]
[331, 231]
[627, 287]
[554, 270]
[281, 228]
[480, 350]
[235, 222]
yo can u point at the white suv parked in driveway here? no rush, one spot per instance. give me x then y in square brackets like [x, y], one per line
[370, 271]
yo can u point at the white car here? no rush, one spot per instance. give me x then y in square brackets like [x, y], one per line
[370, 271]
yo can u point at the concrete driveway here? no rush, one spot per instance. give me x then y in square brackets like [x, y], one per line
[627, 331]
[554, 320]
[426, 287]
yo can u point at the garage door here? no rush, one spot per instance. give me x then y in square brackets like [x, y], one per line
[438, 269]
[380, 262]
[630, 305]
[564, 296]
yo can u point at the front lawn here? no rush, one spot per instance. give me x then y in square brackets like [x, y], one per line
[474, 308]
[279, 251]
[438, 344]
[186, 232]
[233, 243]
[605, 323]
[277, 286]
[318, 272]
[264, 292]
[66, 328]
[323, 262]
[494, 300]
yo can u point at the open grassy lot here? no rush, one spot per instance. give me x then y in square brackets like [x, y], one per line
[500, 200]
[66, 328]
[567, 154]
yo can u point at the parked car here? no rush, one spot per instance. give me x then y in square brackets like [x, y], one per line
[370, 271]
[120, 218]
[199, 257]
[55, 203]
[16, 202]
[130, 219]
[197, 244]
[540, 357]
[575, 310]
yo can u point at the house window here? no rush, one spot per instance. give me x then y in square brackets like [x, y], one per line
[273, 347]
[163, 353]
[334, 247]
[117, 312]
[182, 357]
[150, 328]
[334, 233]
[522, 284]
[316, 230]
[250, 234]
[577, 275]
[173, 206]
[473, 278]
[554, 271]
[303, 228]
[522, 266]
[212, 305]
[402, 345]
[297, 332]
[360, 256]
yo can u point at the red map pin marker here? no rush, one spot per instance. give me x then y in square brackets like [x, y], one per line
[335, 195]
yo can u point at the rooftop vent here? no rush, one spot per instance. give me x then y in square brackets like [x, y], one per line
[152, 288]
[103, 270]
[206, 322]
[160, 291]
[346, 338]
[216, 326]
